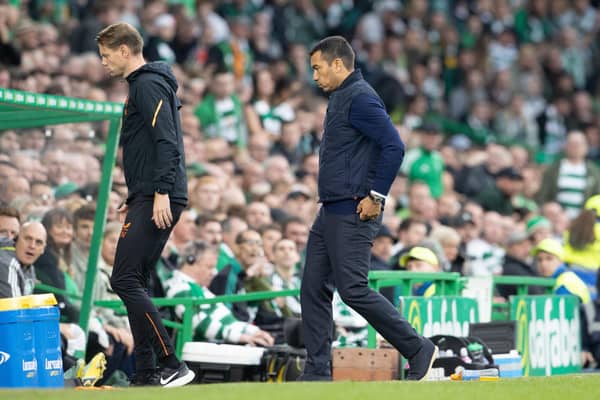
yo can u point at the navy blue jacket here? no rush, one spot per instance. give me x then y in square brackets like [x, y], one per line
[361, 149]
[151, 134]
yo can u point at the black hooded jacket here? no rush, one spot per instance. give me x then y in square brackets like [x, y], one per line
[151, 135]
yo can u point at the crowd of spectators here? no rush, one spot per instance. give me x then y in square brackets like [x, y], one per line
[496, 101]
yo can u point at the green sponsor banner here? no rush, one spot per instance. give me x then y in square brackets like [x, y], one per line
[548, 334]
[440, 315]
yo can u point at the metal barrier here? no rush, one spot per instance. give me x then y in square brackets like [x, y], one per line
[184, 328]
[446, 284]
[501, 311]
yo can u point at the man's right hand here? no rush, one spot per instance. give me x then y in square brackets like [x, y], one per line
[122, 210]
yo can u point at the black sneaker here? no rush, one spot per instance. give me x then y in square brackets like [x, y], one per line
[175, 377]
[146, 378]
[420, 364]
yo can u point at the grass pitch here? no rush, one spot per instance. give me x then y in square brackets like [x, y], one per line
[561, 388]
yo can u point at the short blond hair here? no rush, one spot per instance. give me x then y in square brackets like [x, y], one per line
[119, 34]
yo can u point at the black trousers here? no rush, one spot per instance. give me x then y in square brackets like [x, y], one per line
[338, 255]
[138, 250]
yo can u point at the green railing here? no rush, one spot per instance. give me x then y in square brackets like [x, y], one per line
[446, 284]
[184, 328]
[51, 289]
[501, 311]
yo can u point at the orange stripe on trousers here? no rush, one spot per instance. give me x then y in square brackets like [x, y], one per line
[158, 334]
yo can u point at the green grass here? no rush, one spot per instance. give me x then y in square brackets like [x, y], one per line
[563, 388]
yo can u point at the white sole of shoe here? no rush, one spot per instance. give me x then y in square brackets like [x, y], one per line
[433, 357]
[184, 380]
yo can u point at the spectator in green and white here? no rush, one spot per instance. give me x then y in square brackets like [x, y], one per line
[221, 113]
[285, 257]
[157, 47]
[210, 321]
[572, 179]
[264, 113]
[234, 54]
[425, 163]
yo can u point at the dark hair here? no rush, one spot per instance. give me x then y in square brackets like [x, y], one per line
[87, 212]
[119, 34]
[227, 223]
[52, 217]
[239, 239]
[269, 227]
[291, 220]
[8, 211]
[581, 231]
[333, 47]
[204, 219]
[408, 222]
[193, 251]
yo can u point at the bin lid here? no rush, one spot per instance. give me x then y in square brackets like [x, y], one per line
[15, 303]
[42, 300]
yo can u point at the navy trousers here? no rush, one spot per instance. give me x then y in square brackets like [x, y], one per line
[338, 255]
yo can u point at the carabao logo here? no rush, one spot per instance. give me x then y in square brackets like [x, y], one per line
[4, 357]
[414, 316]
[523, 335]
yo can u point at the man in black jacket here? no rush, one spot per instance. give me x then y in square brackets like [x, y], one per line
[154, 167]
[515, 263]
[360, 155]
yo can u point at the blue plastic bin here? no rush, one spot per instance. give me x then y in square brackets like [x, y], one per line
[18, 362]
[47, 347]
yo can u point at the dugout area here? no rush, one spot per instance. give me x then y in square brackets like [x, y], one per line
[19, 109]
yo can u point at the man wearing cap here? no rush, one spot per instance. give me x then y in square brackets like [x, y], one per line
[538, 228]
[421, 259]
[509, 183]
[298, 203]
[425, 163]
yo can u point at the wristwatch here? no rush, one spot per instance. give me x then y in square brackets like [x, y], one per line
[161, 191]
[377, 198]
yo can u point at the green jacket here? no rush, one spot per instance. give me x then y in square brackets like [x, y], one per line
[492, 199]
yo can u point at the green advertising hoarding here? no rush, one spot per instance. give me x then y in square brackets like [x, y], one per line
[447, 315]
[548, 334]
